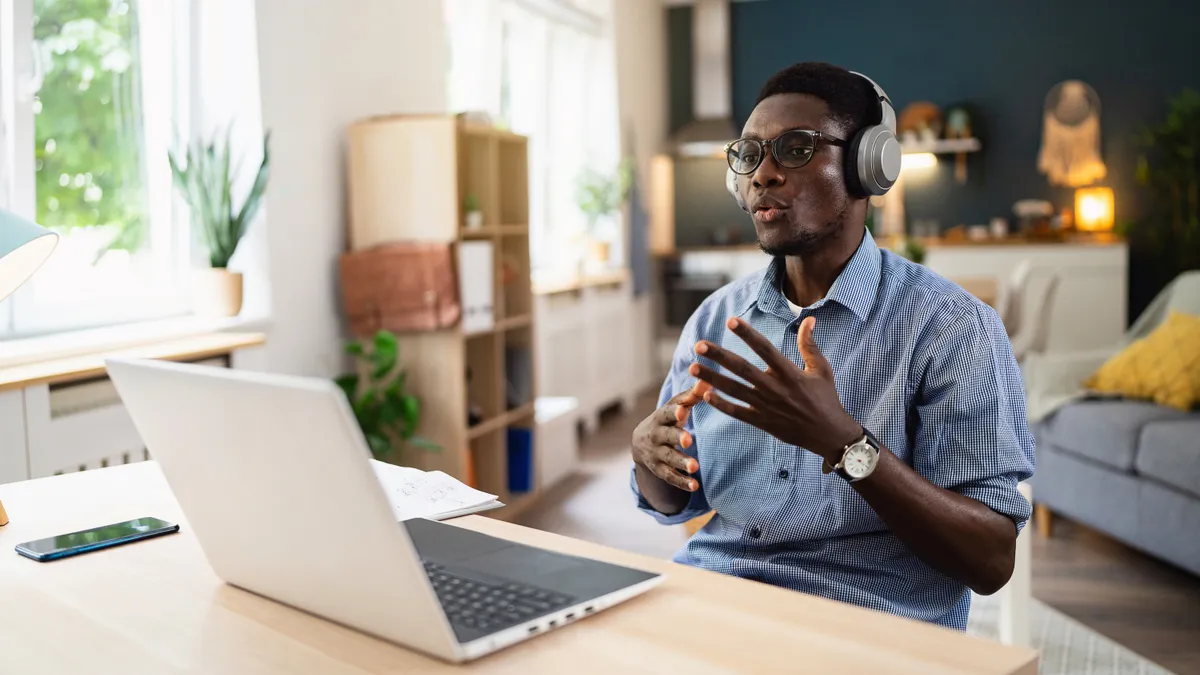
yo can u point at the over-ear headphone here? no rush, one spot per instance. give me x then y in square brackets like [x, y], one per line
[872, 156]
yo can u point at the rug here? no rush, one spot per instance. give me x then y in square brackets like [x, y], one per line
[1067, 647]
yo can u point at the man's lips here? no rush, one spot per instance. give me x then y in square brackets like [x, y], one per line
[767, 210]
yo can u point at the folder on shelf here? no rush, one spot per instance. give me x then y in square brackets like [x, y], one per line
[429, 494]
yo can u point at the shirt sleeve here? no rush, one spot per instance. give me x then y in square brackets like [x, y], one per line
[678, 380]
[973, 437]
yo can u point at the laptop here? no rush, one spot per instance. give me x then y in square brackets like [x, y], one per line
[273, 476]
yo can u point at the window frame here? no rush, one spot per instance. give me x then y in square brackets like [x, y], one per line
[168, 221]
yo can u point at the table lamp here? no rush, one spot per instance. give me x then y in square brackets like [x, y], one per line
[1094, 209]
[24, 246]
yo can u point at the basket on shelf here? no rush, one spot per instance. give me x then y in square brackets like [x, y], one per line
[401, 287]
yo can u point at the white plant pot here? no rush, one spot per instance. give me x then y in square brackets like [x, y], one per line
[474, 220]
[216, 293]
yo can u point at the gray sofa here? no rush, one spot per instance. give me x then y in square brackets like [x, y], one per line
[1127, 468]
[1130, 469]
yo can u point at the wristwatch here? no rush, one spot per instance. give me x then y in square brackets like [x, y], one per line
[859, 458]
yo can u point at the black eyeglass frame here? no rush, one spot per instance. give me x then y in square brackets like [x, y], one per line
[816, 136]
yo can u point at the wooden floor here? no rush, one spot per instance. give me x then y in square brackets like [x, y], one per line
[1141, 603]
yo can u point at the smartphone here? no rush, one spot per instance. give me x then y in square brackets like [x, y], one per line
[106, 536]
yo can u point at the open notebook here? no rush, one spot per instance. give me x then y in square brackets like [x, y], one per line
[429, 494]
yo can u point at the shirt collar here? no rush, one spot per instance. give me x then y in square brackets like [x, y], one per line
[855, 288]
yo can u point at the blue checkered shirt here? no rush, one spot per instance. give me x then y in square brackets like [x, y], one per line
[925, 366]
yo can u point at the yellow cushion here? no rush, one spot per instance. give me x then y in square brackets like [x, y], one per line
[1163, 367]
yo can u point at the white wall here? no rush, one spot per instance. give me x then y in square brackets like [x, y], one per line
[640, 39]
[322, 65]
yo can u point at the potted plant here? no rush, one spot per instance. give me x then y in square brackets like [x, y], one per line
[600, 197]
[205, 177]
[473, 215]
[387, 414]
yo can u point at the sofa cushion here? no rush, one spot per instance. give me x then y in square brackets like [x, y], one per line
[1170, 453]
[1105, 431]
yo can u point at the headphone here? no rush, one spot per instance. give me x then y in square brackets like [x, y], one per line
[872, 156]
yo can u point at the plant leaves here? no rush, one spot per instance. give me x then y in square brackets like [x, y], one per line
[385, 354]
[349, 385]
[380, 446]
[411, 410]
[354, 349]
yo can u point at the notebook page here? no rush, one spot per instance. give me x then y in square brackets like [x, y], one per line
[419, 494]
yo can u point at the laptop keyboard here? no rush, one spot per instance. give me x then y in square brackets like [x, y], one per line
[490, 607]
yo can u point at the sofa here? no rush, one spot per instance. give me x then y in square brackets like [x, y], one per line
[1127, 468]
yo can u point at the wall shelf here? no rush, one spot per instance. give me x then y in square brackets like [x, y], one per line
[942, 146]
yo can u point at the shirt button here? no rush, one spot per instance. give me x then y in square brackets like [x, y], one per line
[783, 473]
[755, 533]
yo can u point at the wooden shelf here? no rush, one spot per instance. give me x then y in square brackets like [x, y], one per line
[943, 146]
[500, 421]
[570, 284]
[450, 370]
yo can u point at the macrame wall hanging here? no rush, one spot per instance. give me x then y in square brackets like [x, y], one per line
[1070, 153]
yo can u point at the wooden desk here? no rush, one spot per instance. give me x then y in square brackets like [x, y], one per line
[156, 607]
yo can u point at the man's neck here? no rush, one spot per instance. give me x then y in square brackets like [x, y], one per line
[809, 276]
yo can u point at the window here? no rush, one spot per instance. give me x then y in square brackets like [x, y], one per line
[544, 68]
[94, 94]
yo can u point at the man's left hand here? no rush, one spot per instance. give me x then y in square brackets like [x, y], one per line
[799, 406]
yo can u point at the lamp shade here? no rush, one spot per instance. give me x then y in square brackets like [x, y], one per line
[24, 246]
[1094, 209]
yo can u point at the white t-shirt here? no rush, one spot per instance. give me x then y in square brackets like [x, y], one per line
[796, 309]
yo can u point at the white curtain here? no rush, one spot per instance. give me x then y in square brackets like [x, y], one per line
[544, 68]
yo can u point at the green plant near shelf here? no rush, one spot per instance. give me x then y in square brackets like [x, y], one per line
[387, 414]
[1168, 168]
[470, 203]
[205, 176]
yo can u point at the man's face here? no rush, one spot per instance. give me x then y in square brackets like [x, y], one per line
[795, 210]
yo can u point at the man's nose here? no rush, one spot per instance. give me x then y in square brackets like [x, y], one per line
[768, 174]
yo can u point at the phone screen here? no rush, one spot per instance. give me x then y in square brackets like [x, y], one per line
[105, 534]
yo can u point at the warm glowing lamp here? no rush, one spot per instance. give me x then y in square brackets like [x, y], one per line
[24, 246]
[1094, 209]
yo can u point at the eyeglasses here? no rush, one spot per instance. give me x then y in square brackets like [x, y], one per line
[792, 150]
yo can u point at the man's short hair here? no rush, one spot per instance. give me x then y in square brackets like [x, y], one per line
[851, 99]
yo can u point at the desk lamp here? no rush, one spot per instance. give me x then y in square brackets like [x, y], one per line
[24, 246]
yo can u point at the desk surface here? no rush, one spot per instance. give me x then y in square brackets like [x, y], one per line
[156, 607]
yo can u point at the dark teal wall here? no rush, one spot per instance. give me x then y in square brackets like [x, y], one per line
[999, 57]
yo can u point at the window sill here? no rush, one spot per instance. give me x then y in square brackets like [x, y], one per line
[124, 336]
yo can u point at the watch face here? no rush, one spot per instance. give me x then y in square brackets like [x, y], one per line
[859, 460]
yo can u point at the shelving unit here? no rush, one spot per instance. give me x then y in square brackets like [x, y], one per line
[942, 146]
[408, 177]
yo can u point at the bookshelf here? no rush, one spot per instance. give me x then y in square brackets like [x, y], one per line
[407, 180]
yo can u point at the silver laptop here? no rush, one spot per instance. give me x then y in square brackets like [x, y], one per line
[273, 475]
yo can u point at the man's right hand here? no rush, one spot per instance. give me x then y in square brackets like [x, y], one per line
[654, 451]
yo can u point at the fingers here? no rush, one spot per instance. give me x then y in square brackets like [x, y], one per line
[675, 411]
[666, 463]
[743, 413]
[732, 362]
[670, 436]
[774, 359]
[814, 360]
[726, 384]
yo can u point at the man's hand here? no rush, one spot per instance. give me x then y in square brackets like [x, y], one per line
[655, 440]
[799, 406]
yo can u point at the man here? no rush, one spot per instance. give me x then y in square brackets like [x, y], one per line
[838, 355]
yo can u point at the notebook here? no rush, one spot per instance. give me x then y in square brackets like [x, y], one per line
[429, 494]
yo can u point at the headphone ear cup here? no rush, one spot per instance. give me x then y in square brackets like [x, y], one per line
[731, 185]
[851, 151]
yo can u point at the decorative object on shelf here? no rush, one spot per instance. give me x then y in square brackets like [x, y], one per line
[1167, 170]
[1034, 218]
[205, 177]
[911, 248]
[386, 413]
[599, 197]
[405, 287]
[24, 246]
[958, 126]
[998, 227]
[471, 212]
[1094, 209]
[920, 122]
[1070, 152]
